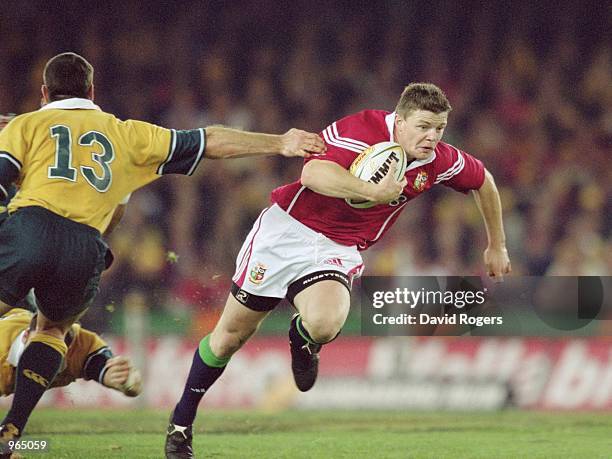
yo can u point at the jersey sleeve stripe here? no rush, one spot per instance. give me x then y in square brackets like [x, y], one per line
[11, 158]
[160, 169]
[357, 143]
[200, 151]
[95, 365]
[9, 171]
[450, 175]
[3, 193]
[449, 172]
[331, 141]
[188, 151]
[452, 171]
[93, 354]
[456, 169]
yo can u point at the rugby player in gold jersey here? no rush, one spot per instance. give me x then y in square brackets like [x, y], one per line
[75, 165]
[88, 357]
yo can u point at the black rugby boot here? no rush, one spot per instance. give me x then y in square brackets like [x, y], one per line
[304, 358]
[179, 442]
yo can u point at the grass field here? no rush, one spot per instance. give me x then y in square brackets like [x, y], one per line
[510, 434]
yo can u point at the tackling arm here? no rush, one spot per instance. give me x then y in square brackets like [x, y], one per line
[488, 202]
[330, 179]
[121, 376]
[115, 372]
[223, 142]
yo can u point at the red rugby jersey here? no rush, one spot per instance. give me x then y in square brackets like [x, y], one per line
[345, 139]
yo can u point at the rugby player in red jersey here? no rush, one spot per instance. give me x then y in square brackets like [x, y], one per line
[306, 246]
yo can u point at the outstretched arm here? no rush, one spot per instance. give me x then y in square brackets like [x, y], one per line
[488, 202]
[224, 142]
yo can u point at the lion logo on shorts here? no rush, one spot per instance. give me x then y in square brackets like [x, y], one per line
[257, 273]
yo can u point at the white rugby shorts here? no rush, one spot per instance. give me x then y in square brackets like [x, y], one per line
[281, 257]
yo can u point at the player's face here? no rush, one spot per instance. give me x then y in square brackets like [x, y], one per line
[420, 132]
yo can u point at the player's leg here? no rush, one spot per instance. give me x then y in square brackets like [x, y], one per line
[235, 326]
[254, 293]
[62, 260]
[323, 308]
[44, 354]
[17, 243]
[263, 271]
[5, 307]
[38, 366]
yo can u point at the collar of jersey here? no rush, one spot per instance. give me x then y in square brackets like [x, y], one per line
[74, 103]
[390, 121]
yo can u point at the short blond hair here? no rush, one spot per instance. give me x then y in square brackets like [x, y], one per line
[422, 96]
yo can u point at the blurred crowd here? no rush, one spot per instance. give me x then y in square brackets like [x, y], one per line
[530, 86]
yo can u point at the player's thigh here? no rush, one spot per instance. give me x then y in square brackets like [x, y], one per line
[68, 294]
[68, 278]
[236, 316]
[326, 303]
[20, 246]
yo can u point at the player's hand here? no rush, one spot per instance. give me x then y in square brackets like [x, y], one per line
[296, 142]
[389, 188]
[497, 263]
[120, 375]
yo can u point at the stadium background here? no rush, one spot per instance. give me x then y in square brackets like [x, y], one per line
[530, 87]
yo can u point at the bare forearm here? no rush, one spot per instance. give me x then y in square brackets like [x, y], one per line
[331, 179]
[489, 204]
[224, 142]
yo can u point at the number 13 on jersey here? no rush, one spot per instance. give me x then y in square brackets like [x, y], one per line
[63, 169]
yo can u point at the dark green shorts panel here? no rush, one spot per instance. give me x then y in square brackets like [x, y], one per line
[62, 260]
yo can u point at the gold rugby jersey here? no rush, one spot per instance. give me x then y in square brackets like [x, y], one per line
[79, 162]
[84, 345]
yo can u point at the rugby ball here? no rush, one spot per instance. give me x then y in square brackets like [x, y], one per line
[372, 165]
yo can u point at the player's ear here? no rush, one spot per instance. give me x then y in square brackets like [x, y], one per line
[90, 92]
[45, 95]
[398, 120]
